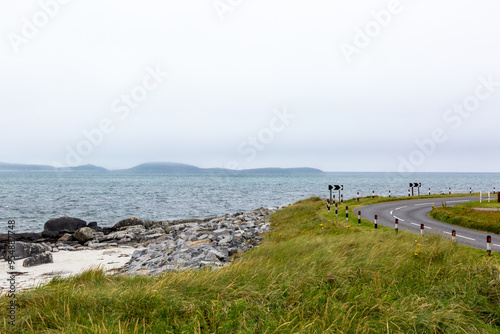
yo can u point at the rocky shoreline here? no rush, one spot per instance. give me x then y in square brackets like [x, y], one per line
[161, 246]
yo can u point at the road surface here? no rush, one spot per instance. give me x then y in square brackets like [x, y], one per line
[413, 213]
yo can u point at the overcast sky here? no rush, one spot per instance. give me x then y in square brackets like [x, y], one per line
[410, 85]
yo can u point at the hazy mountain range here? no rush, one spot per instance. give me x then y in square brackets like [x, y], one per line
[153, 167]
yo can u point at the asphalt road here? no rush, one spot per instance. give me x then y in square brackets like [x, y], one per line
[413, 213]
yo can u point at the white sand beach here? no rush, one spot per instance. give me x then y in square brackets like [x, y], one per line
[66, 263]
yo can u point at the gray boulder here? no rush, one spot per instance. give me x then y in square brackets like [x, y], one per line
[38, 259]
[24, 249]
[84, 234]
[127, 222]
[64, 224]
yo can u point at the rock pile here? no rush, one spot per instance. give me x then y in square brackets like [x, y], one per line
[193, 244]
[170, 245]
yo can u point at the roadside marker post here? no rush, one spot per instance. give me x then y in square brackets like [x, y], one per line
[358, 196]
[480, 197]
[421, 229]
[376, 221]
[346, 212]
[373, 194]
[328, 205]
[408, 192]
[429, 191]
[449, 190]
[454, 236]
[489, 197]
[389, 193]
[334, 200]
[488, 245]
[342, 198]
[470, 190]
[336, 210]
[494, 190]
[396, 225]
[359, 218]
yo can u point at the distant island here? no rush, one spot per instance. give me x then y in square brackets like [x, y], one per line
[155, 167]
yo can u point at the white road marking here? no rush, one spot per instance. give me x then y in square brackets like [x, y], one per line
[460, 236]
[401, 220]
[391, 212]
[400, 208]
[496, 245]
[447, 232]
[424, 204]
[415, 224]
[458, 201]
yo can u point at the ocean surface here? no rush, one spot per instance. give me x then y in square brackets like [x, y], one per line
[33, 198]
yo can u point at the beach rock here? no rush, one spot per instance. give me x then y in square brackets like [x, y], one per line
[127, 222]
[189, 243]
[24, 249]
[84, 234]
[66, 237]
[38, 259]
[64, 225]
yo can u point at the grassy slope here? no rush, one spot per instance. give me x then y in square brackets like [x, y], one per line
[312, 274]
[463, 215]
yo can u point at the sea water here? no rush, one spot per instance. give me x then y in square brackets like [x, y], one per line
[33, 198]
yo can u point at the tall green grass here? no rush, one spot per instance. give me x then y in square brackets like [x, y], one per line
[312, 274]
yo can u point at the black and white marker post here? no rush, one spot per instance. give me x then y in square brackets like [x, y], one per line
[488, 245]
[359, 218]
[376, 221]
[470, 190]
[342, 198]
[454, 236]
[328, 205]
[347, 212]
[429, 191]
[494, 191]
[449, 190]
[331, 193]
[408, 192]
[358, 195]
[336, 210]
[373, 194]
[396, 225]
[422, 229]
[389, 193]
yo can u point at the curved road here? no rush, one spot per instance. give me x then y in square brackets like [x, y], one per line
[413, 213]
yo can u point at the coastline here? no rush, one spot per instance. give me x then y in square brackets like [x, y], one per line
[133, 247]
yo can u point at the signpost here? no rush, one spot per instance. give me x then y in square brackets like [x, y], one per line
[335, 187]
[417, 185]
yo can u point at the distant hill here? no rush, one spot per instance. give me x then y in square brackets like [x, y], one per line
[85, 168]
[7, 167]
[162, 167]
[155, 167]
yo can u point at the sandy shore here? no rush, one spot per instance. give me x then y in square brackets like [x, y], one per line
[66, 263]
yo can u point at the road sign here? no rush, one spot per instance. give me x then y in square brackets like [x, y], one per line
[415, 184]
[337, 187]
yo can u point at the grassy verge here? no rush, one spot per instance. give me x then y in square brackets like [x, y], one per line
[312, 274]
[484, 204]
[463, 215]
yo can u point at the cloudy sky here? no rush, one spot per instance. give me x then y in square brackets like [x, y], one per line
[410, 85]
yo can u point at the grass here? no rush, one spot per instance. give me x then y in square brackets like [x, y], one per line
[484, 204]
[463, 215]
[312, 274]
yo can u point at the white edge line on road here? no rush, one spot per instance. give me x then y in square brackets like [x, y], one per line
[458, 201]
[415, 224]
[447, 232]
[496, 245]
[461, 236]
[400, 208]
[424, 204]
[399, 219]
[391, 212]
